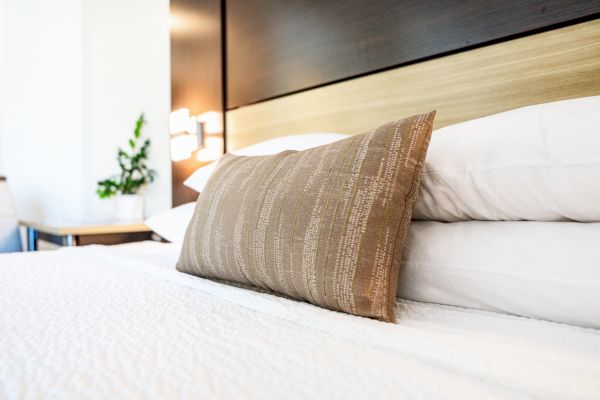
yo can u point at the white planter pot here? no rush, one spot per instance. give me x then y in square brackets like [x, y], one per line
[129, 207]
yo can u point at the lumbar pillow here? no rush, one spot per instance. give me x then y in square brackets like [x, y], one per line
[539, 163]
[325, 225]
[200, 177]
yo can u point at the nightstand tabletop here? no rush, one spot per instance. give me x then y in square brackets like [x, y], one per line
[86, 228]
[80, 234]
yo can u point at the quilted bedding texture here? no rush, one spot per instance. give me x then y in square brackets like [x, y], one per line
[121, 322]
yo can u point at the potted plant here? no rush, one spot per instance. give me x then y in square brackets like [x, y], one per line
[134, 176]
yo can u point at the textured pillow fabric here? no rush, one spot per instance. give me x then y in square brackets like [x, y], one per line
[200, 177]
[325, 225]
[538, 163]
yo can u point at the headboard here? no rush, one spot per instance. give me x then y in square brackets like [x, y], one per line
[558, 64]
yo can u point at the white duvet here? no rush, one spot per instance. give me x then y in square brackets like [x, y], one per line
[120, 323]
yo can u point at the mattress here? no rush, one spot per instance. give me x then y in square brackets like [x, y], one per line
[121, 322]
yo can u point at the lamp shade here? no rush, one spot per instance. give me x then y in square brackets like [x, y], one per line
[213, 122]
[179, 121]
[183, 146]
[9, 233]
[212, 150]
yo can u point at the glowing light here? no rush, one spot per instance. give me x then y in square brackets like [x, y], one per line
[179, 120]
[213, 122]
[212, 150]
[183, 146]
[185, 137]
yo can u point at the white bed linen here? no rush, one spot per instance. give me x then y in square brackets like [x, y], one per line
[120, 322]
[172, 224]
[537, 163]
[200, 177]
[545, 270]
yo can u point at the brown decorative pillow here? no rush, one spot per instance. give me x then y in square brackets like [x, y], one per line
[326, 225]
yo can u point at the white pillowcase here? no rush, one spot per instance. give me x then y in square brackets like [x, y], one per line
[544, 270]
[534, 163]
[172, 224]
[200, 177]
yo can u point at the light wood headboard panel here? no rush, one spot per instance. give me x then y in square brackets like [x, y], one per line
[559, 64]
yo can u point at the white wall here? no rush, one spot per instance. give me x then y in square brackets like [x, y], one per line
[126, 53]
[1, 84]
[42, 113]
[78, 73]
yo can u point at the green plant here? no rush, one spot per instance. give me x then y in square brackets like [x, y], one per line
[135, 174]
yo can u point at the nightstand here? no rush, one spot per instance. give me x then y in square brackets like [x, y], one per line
[82, 234]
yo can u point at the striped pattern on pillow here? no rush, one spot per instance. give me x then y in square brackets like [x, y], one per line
[326, 225]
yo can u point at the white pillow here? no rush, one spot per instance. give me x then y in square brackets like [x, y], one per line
[544, 270]
[534, 163]
[199, 178]
[172, 224]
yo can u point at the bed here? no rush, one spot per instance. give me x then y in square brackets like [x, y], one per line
[122, 322]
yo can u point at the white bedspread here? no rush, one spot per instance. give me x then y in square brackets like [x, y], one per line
[120, 322]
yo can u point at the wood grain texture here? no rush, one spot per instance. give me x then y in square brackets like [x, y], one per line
[554, 65]
[278, 47]
[180, 171]
[111, 239]
[86, 229]
[196, 73]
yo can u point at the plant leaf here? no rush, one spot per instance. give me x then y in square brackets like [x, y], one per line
[138, 125]
[129, 163]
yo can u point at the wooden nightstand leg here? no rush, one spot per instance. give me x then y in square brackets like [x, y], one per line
[31, 239]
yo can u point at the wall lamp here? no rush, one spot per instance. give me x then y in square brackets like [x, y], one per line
[201, 134]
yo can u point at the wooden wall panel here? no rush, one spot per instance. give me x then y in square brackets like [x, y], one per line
[196, 72]
[554, 65]
[276, 47]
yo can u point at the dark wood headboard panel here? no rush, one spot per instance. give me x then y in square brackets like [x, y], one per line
[196, 73]
[277, 47]
[562, 63]
[226, 54]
